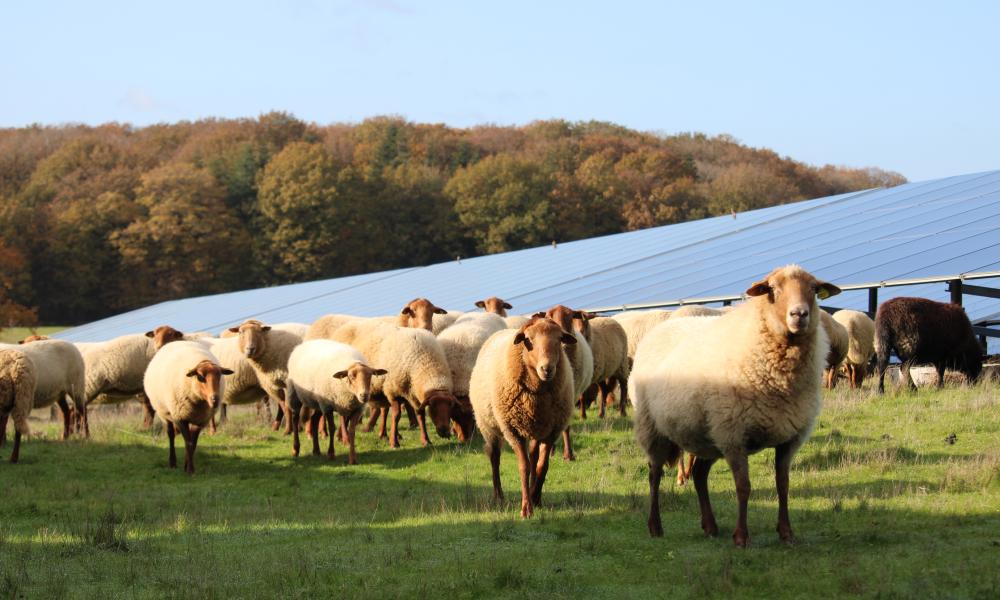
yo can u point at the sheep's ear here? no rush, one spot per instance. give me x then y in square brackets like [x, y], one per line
[824, 290]
[481, 304]
[591, 315]
[150, 334]
[507, 305]
[377, 372]
[340, 374]
[406, 311]
[21, 342]
[538, 315]
[440, 311]
[266, 328]
[226, 371]
[230, 330]
[568, 338]
[192, 372]
[759, 289]
[519, 338]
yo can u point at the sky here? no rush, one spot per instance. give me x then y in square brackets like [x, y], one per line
[912, 87]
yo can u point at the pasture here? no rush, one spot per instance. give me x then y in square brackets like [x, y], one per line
[893, 497]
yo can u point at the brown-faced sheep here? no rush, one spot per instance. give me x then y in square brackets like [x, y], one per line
[495, 305]
[732, 386]
[522, 391]
[922, 331]
[267, 351]
[184, 384]
[581, 361]
[836, 334]
[419, 313]
[60, 374]
[609, 344]
[861, 343]
[17, 396]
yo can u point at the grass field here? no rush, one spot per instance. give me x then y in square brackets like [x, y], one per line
[882, 504]
[12, 335]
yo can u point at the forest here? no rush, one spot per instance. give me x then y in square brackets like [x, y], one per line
[96, 220]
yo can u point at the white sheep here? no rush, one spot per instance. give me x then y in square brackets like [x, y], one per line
[861, 343]
[59, 373]
[329, 377]
[185, 386]
[637, 324]
[836, 335]
[114, 370]
[609, 343]
[522, 391]
[17, 396]
[242, 387]
[267, 349]
[732, 386]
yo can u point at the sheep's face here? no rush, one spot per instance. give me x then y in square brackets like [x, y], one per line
[208, 381]
[464, 418]
[791, 293]
[419, 313]
[494, 305]
[541, 339]
[163, 335]
[252, 337]
[439, 404]
[358, 379]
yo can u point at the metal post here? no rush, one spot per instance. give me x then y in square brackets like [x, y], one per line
[727, 302]
[955, 285]
[872, 300]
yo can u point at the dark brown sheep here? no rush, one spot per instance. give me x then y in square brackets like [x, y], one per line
[922, 331]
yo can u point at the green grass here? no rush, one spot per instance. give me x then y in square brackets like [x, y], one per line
[883, 506]
[13, 335]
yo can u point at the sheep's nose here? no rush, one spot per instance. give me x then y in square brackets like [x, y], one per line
[545, 371]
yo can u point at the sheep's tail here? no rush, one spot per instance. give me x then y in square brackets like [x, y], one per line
[885, 340]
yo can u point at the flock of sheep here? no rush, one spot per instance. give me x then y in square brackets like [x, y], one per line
[715, 383]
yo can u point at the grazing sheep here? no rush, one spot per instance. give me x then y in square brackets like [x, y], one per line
[637, 324]
[839, 341]
[522, 391]
[329, 377]
[267, 350]
[581, 361]
[17, 396]
[922, 331]
[696, 310]
[185, 386]
[731, 386]
[59, 371]
[418, 374]
[495, 305]
[461, 343]
[323, 327]
[861, 343]
[609, 343]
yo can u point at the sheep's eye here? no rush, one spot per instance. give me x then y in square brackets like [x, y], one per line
[201, 378]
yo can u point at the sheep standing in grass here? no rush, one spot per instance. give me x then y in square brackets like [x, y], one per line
[522, 391]
[836, 334]
[861, 343]
[242, 387]
[267, 351]
[461, 344]
[17, 396]
[329, 377]
[581, 361]
[732, 386]
[185, 386]
[495, 305]
[60, 373]
[609, 344]
[924, 331]
[418, 374]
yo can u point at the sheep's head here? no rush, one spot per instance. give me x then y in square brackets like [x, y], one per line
[971, 363]
[563, 315]
[358, 379]
[581, 322]
[494, 305]
[791, 294]
[208, 381]
[252, 335]
[440, 403]
[541, 340]
[419, 313]
[464, 418]
[163, 335]
[33, 338]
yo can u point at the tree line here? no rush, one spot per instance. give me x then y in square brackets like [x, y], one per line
[98, 220]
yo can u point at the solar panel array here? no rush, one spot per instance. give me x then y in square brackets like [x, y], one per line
[933, 228]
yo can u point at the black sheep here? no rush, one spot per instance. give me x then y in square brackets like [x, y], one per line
[922, 331]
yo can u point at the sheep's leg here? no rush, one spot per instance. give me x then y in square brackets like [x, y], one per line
[279, 416]
[492, 450]
[567, 445]
[425, 440]
[682, 477]
[3, 430]
[394, 405]
[532, 461]
[623, 394]
[342, 429]
[83, 421]
[147, 411]
[293, 415]
[653, 523]
[374, 411]
[741, 476]
[195, 432]
[940, 373]
[211, 426]
[883, 364]
[352, 428]
[314, 430]
[782, 464]
[858, 374]
[172, 460]
[699, 474]
[222, 417]
[384, 412]
[16, 452]
[330, 419]
[64, 407]
[541, 468]
[188, 450]
[602, 398]
[588, 397]
[523, 467]
[411, 415]
[904, 372]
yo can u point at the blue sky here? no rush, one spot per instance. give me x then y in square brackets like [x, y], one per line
[908, 86]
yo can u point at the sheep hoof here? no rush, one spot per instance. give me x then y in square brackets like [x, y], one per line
[741, 539]
[568, 456]
[710, 529]
[786, 535]
[655, 528]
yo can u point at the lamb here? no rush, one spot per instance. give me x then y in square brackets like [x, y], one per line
[732, 386]
[185, 386]
[837, 336]
[494, 305]
[581, 361]
[861, 343]
[59, 371]
[609, 343]
[461, 344]
[522, 391]
[696, 310]
[418, 374]
[638, 323]
[329, 377]
[17, 395]
[924, 331]
[267, 350]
